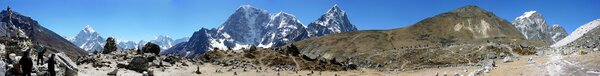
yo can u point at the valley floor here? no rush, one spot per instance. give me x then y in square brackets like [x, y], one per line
[552, 63]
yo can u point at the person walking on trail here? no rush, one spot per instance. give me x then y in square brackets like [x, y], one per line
[40, 56]
[26, 64]
[51, 66]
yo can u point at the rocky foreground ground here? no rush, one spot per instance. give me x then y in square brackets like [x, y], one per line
[551, 62]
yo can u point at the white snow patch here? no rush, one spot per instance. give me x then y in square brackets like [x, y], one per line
[187, 53]
[526, 14]
[555, 36]
[240, 46]
[218, 43]
[226, 35]
[266, 46]
[286, 40]
[335, 29]
[89, 29]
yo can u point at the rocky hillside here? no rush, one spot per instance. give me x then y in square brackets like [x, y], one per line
[38, 34]
[468, 32]
[585, 36]
[198, 44]
[534, 27]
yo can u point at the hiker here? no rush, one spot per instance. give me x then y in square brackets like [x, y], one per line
[51, 66]
[40, 56]
[26, 64]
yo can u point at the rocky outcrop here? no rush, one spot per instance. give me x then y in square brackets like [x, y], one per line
[138, 64]
[585, 36]
[432, 41]
[38, 34]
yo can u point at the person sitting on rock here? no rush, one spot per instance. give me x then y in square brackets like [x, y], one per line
[26, 64]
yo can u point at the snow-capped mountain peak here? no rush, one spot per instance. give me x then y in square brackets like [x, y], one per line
[244, 27]
[334, 20]
[284, 28]
[88, 40]
[162, 37]
[249, 12]
[283, 16]
[556, 26]
[580, 31]
[527, 14]
[165, 42]
[533, 26]
[335, 11]
[557, 33]
[249, 26]
[88, 29]
[124, 44]
[249, 7]
[181, 40]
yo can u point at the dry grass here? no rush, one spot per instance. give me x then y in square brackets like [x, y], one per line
[270, 58]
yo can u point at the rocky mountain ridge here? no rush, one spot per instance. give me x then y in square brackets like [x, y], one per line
[251, 26]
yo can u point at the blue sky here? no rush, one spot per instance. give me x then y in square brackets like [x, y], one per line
[145, 19]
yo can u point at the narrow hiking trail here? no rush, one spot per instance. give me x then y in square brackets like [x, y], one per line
[573, 64]
[554, 66]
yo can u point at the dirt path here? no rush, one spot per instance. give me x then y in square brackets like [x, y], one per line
[572, 64]
[554, 66]
[296, 62]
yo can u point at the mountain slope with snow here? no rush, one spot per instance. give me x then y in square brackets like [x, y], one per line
[534, 27]
[333, 21]
[243, 28]
[125, 45]
[88, 40]
[581, 31]
[249, 26]
[283, 29]
[181, 40]
[557, 33]
[197, 44]
[164, 42]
